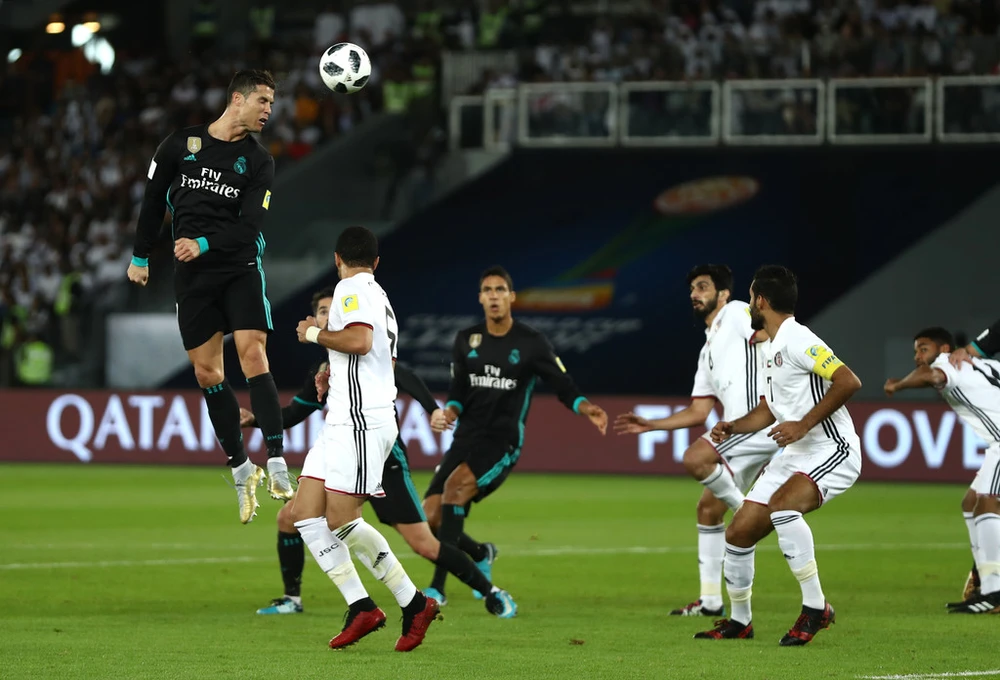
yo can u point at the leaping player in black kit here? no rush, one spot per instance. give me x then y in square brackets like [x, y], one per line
[495, 365]
[216, 181]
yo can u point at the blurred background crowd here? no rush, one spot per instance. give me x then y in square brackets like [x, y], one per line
[78, 128]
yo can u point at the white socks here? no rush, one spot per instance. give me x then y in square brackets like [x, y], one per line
[988, 533]
[970, 524]
[739, 568]
[722, 485]
[333, 557]
[373, 551]
[711, 552]
[796, 542]
[242, 472]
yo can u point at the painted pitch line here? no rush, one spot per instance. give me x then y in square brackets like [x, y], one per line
[933, 676]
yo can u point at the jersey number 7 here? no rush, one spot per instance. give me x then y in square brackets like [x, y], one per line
[388, 331]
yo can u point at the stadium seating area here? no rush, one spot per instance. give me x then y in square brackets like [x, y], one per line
[77, 143]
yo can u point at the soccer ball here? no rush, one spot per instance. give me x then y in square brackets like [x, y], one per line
[345, 68]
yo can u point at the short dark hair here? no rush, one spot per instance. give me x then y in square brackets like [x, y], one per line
[246, 81]
[778, 285]
[319, 295]
[497, 270]
[358, 247]
[721, 275]
[941, 336]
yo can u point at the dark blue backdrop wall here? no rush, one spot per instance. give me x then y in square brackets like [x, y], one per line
[599, 241]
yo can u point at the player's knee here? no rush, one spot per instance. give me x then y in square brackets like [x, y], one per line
[711, 511]
[426, 546]
[969, 501]
[253, 361]
[208, 376]
[698, 465]
[286, 522]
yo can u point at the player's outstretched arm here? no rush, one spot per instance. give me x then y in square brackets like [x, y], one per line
[844, 383]
[985, 345]
[691, 416]
[411, 383]
[922, 376]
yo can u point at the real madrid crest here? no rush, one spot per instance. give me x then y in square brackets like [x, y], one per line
[475, 340]
[194, 144]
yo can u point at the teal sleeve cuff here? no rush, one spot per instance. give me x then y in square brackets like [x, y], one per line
[312, 404]
[140, 261]
[456, 405]
[576, 404]
[202, 243]
[978, 348]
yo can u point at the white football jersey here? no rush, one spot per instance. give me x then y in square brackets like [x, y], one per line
[798, 369]
[729, 364]
[363, 387]
[973, 392]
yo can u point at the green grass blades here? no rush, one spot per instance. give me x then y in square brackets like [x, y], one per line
[141, 572]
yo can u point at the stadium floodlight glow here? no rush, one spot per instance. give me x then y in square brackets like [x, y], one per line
[13, 55]
[92, 26]
[81, 35]
[54, 27]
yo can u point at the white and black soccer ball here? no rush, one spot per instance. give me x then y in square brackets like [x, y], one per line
[345, 68]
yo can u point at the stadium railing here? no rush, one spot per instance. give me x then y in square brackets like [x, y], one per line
[949, 109]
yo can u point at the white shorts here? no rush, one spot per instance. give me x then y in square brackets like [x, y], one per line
[832, 468]
[987, 481]
[350, 461]
[745, 455]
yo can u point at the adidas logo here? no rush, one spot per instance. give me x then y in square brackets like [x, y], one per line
[472, 355]
[381, 556]
[190, 157]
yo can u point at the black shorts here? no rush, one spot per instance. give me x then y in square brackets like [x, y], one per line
[401, 504]
[212, 301]
[490, 460]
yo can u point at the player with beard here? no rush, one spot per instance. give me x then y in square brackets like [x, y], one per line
[806, 388]
[727, 372]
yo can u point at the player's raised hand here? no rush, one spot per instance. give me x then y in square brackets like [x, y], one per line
[440, 422]
[958, 356]
[596, 415]
[630, 423]
[186, 249]
[304, 325]
[246, 418]
[137, 274]
[322, 380]
[722, 431]
[788, 432]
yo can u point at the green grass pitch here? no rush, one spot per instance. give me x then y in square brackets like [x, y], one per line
[143, 572]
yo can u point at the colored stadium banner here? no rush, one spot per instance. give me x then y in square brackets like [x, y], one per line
[901, 441]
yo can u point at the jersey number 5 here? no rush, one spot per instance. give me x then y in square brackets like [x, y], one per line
[392, 336]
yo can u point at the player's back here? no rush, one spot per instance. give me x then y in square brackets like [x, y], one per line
[973, 392]
[363, 387]
[729, 362]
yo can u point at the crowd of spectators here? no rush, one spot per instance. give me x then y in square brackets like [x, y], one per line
[77, 138]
